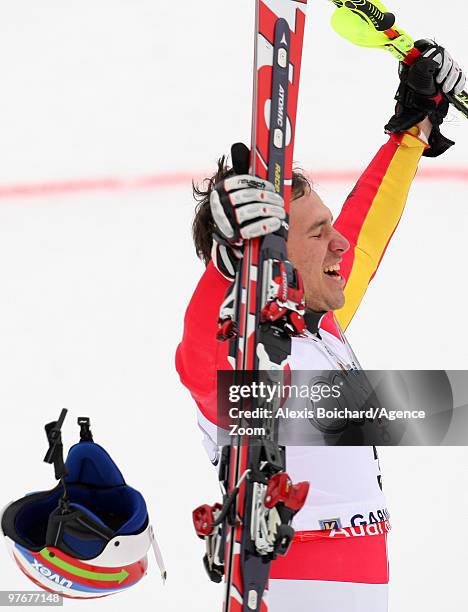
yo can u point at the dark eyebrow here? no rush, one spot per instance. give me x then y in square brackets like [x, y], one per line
[319, 224]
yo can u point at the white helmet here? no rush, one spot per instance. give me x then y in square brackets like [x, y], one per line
[89, 536]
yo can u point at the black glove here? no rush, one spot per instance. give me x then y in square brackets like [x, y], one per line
[422, 90]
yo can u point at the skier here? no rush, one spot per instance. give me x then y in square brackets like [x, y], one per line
[328, 567]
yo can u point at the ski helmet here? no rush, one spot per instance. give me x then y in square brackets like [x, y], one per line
[89, 536]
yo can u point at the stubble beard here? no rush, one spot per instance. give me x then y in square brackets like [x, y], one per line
[324, 305]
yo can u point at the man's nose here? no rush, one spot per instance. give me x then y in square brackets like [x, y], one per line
[338, 243]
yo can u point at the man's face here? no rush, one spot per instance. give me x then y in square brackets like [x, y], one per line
[316, 249]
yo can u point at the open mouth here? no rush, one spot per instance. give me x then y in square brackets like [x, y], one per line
[333, 272]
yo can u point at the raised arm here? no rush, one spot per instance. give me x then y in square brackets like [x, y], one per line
[233, 209]
[371, 214]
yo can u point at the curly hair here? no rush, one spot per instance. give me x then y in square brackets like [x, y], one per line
[203, 224]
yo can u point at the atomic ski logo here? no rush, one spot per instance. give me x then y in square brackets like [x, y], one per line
[281, 94]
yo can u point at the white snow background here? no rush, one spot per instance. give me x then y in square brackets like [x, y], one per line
[93, 284]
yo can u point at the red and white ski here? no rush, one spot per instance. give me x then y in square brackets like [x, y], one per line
[253, 525]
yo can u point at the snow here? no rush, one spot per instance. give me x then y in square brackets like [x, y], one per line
[94, 283]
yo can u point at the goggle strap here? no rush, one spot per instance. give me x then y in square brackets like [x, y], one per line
[54, 453]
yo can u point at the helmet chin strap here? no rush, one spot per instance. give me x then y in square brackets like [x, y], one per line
[54, 456]
[85, 431]
[158, 554]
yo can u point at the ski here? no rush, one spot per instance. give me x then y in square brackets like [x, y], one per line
[253, 525]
